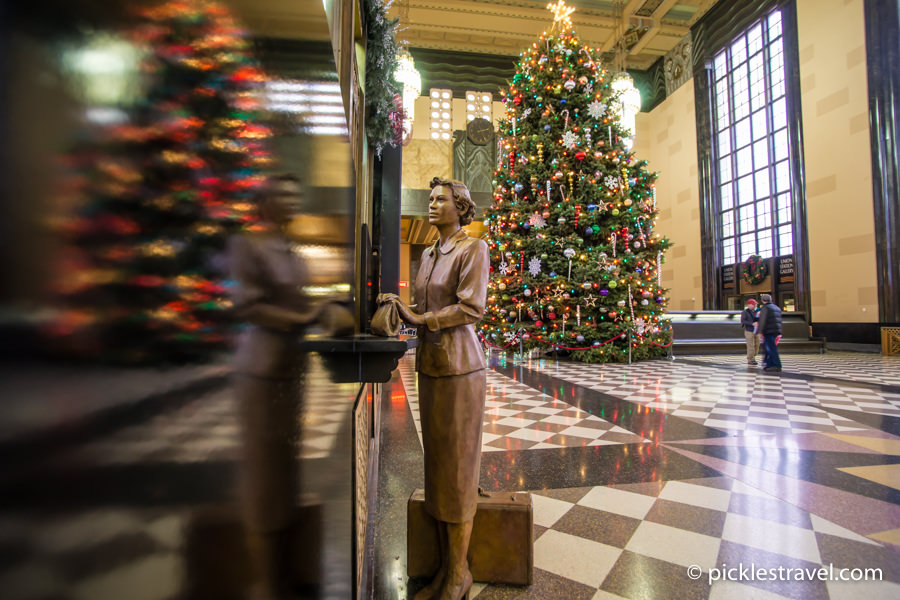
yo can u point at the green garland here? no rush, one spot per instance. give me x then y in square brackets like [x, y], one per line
[384, 121]
[755, 269]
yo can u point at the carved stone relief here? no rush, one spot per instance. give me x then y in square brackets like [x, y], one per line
[474, 164]
[678, 65]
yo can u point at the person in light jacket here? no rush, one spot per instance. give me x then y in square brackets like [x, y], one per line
[749, 317]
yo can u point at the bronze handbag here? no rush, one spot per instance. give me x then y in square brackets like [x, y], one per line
[386, 321]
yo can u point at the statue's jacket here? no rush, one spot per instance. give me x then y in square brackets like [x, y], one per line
[451, 291]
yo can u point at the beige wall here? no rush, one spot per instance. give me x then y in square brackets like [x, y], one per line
[840, 225]
[667, 139]
[843, 281]
[424, 159]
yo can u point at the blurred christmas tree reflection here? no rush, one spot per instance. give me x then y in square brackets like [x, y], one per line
[155, 195]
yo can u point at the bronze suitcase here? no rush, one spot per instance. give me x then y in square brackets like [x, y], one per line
[502, 546]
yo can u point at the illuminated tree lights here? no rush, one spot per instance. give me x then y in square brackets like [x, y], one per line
[575, 259]
[155, 198]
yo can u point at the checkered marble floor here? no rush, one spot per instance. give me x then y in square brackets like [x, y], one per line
[798, 481]
[518, 417]
[208, 428]
[638, 541]
[730, 400]
[93, 555]
[852, 366]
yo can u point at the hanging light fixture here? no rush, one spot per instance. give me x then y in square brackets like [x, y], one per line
[407, 75]
[629, 102]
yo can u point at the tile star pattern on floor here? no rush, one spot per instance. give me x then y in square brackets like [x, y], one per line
[518, 417]
[852, 366]
[803, 475]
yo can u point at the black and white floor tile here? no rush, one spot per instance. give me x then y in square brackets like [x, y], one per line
[518, 417]
[725, 467]
[849, 366]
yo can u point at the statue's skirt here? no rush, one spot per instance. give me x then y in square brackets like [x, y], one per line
[452, 411]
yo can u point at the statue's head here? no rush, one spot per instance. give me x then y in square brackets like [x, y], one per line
[461, 197]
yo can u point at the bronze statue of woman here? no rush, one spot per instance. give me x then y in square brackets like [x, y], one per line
[450, 292]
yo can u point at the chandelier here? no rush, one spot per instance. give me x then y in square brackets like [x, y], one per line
[629, 101]
[407, 75]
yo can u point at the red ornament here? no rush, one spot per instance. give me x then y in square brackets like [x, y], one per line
[517, 100]
[551, 316]
[580, 155]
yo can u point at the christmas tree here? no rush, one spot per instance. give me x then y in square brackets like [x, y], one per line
[156, 196]
[575, 260]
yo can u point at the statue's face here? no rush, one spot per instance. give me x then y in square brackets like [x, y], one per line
[442, 208]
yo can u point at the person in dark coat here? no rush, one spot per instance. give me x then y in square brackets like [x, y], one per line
[749, 317]
[769, 328]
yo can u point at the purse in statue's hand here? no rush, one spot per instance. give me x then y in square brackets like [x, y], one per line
[386, 320]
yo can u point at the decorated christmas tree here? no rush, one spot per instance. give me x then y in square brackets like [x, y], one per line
[141, 278]
[575, 259]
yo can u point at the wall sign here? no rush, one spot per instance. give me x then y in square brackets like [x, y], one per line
[728, 276]
[785, 268]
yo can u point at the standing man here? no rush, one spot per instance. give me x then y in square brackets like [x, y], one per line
[769, 328]
[748, 322]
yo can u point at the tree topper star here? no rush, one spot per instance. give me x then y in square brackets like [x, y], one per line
[561, 12]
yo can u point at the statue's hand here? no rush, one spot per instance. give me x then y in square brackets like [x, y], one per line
[408, 316]
[385, 298]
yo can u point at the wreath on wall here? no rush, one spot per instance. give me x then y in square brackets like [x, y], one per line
[755, 270]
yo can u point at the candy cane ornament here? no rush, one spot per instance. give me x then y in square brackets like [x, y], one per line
[590, 60]
[659, 269]
[630, 303]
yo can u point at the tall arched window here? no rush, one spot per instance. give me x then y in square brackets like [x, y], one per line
[750, 152]
[751, 145]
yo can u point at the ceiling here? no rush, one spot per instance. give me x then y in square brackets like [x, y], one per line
[647, 29]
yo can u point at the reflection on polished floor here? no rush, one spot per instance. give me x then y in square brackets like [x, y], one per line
[640, 472]
[144, 507]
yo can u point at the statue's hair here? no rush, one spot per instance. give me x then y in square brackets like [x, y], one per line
[461, 196]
